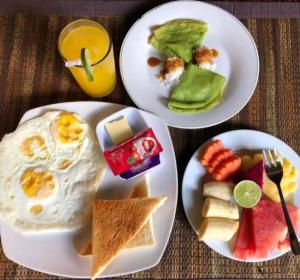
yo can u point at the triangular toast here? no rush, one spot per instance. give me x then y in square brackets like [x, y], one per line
[115, 223]
[145, 237]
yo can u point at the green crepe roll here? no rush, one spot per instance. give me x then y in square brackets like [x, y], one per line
[179, 37]
[197, 91]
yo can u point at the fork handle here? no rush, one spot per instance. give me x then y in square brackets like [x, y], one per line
[292, 235]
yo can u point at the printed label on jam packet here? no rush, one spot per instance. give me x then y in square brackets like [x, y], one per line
[132, 152]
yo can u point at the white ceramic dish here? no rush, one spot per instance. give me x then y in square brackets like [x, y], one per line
[57, 253]
[136, 122]
[238, 62]
[191, 185]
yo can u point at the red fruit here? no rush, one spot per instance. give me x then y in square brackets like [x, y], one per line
[227, 168]
[255, 173]
[218, 157]
[244, 247]
[210, 151]
[267, 228]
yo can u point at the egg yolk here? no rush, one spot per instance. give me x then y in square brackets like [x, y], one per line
[34, 146]
[64, 164]
[68, 128]
[38, 184]
[36, 209]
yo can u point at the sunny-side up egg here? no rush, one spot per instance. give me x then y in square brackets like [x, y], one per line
[50, 169]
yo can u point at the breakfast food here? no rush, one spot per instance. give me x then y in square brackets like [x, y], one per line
[260, 232]
[221, 163]
[217, 229]
[247, 193]
[255, 173]
[145, 237]
[173, 69]
[119, 130]
[218, 189]
[217, 208]
[50, 169]
[288, 183]
[179, 37]
[253, 169]
[204, 58]
[198, 90]
[133, 152]
[189, 65]
[262, 227]
[115, 223]
[210, 151]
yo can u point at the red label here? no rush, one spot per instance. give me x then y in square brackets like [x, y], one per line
[133, 151]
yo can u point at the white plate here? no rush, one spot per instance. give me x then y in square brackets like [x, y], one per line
[238, 62]
[194, 173]
[56, 253]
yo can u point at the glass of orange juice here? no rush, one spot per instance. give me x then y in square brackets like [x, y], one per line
[91, 35]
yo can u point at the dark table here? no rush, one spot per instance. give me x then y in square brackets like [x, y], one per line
[32, 74]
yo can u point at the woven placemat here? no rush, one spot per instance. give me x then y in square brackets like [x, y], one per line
[32, 74]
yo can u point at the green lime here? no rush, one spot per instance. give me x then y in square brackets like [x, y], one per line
[247, 193]
[86, 63]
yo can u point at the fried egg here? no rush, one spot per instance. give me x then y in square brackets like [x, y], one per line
[50, 169]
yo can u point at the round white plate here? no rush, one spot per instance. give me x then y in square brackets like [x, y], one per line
[238, 62]
[57, 253]
[194, 173]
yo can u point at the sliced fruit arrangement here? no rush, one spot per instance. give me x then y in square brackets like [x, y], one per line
[220, 163]
[247, 193]
[288, 183]
[242, 181]
[263, 229]
[220, 217]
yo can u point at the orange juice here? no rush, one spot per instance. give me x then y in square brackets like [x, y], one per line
[93, 36]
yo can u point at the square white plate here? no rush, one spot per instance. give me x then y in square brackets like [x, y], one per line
[57, 252]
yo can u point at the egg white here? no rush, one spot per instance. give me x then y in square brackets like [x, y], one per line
[75, 185]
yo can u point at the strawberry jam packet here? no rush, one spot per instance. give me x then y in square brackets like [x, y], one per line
[133, 152]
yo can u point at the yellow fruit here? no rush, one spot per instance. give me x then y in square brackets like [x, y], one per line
[288, 183]
[293, 176]
[270, 189]
[287, 167]
[246, 163]
[257, 158]
[292, 187]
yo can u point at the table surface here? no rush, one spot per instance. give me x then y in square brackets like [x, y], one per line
[32, 74]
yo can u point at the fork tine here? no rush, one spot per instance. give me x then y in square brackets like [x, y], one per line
[277, 158]
[271, 158]
[266, 161]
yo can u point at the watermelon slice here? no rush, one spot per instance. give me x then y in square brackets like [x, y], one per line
[268, 230]
[295, 218]
[255, 173]
[244, 247]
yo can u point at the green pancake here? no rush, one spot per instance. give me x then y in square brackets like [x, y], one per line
[179, 37]
[197, 91]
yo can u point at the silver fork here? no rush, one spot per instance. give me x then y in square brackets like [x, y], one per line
[275, 172]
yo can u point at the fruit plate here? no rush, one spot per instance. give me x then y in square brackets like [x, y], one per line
[149, 94]
[194, 174]
[57, 252]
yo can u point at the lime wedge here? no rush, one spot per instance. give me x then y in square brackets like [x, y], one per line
[86, 63]
[247, 193]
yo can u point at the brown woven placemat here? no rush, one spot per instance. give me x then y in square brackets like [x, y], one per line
[32, 74]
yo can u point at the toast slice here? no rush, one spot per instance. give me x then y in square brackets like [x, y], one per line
[145, 237]
[115, 223]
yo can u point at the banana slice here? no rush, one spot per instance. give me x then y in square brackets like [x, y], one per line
[217, 229]
[213, 207]
[221, 190]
